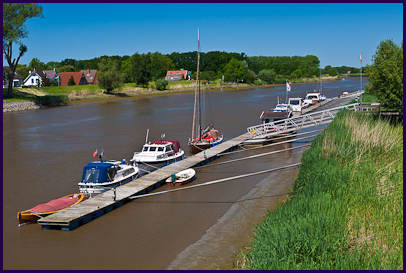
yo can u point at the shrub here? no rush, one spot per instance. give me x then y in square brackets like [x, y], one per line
[52, 100]
[161, 84]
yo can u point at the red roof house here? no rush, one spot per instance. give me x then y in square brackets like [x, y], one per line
[176, 75]
[78, 77]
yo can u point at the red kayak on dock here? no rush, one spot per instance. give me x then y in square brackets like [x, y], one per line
[42, 210]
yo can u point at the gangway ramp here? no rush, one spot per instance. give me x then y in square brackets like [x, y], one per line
[267, 130]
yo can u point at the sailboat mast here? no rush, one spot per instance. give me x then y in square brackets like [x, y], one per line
[196, 91]
[198, 82]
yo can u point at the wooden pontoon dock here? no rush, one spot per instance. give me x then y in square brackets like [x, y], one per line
[100, 204]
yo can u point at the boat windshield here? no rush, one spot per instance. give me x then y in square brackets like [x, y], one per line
[160, 149]
[91, 175]
[294, 102]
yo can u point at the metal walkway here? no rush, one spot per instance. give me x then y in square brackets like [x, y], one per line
[270, 129]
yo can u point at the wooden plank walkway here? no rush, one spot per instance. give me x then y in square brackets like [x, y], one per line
[100, 204]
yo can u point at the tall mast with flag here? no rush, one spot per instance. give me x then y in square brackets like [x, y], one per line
[287, 90]
[360, 60]
[197, 93]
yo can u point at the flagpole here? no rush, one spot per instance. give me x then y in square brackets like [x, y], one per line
[360, 59]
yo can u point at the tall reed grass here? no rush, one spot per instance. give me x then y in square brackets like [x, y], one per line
[346, 209]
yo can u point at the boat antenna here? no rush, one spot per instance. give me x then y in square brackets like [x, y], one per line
[162, 135]
[146, 137]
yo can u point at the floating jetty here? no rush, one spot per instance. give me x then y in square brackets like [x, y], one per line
[102, 203]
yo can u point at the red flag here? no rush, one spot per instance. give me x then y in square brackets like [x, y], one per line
[95, 154]
[360, 58]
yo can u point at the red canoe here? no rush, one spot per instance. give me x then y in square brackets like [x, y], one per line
[42, 210]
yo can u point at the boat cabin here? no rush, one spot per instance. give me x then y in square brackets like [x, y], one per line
[103, 171]
[271, 116]
[162, 146]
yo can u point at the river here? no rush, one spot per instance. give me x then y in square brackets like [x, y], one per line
[45, 150]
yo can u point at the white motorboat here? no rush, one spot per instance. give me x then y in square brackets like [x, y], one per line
[100, 176]
[159, 153]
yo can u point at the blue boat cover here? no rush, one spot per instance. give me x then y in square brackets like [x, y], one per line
[96, 172]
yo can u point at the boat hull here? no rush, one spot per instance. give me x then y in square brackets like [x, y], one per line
[182, 177]
[147, 167]
[197, 147]
[31, 215]
[96, 189]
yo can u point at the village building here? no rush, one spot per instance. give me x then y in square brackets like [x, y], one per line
[177, 75]
[17, 80]
[51, 75]
[78, 77]
[34, 79]
[90, 75]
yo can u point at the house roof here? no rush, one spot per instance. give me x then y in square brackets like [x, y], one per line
[38, 73]
[90, 75]
[6, 69]
[65, 76]
[50, 74]
[183, 72]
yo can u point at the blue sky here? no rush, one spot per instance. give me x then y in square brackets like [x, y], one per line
[336, 33]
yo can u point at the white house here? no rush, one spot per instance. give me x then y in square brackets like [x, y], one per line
[34, 79]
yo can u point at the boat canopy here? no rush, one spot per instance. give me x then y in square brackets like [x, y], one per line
[98, 172]
[175, 144]
[274, 115]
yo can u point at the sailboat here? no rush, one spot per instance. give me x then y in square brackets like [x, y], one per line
[209, 136]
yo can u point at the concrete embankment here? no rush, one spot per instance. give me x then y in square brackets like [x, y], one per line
[13, 106]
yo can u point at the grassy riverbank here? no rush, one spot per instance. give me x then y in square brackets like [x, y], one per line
[82, 93]
[346, 210]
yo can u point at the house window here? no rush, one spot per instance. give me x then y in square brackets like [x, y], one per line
[32, 81]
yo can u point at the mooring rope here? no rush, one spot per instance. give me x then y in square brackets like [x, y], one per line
[252, 156]
[216, 181]
[268, 145]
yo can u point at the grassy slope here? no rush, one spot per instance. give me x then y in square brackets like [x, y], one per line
[346, 211]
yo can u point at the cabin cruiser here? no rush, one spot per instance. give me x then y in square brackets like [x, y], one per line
[281, 107]
[100, 176]
[159, 153]
[313, 98]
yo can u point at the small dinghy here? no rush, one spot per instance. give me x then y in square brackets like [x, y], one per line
[182, 177]
[42, 210]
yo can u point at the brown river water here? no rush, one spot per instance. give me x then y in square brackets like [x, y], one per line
[45, 150]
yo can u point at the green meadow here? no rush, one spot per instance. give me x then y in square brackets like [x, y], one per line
[346, 209]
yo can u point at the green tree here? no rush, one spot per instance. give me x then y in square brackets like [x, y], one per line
[208, 76]
[234, 71]
[23, 70]
[71, 81]
[37, 65]
[385, 75]
[65, 68]
[297, 74]
[14, 17]
[160, 64]
[267, 75]
[109, 75]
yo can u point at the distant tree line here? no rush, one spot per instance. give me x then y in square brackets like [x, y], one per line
[235, 67]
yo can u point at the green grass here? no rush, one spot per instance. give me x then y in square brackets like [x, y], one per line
[91, 88]
[346, 210]
[17, 95]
